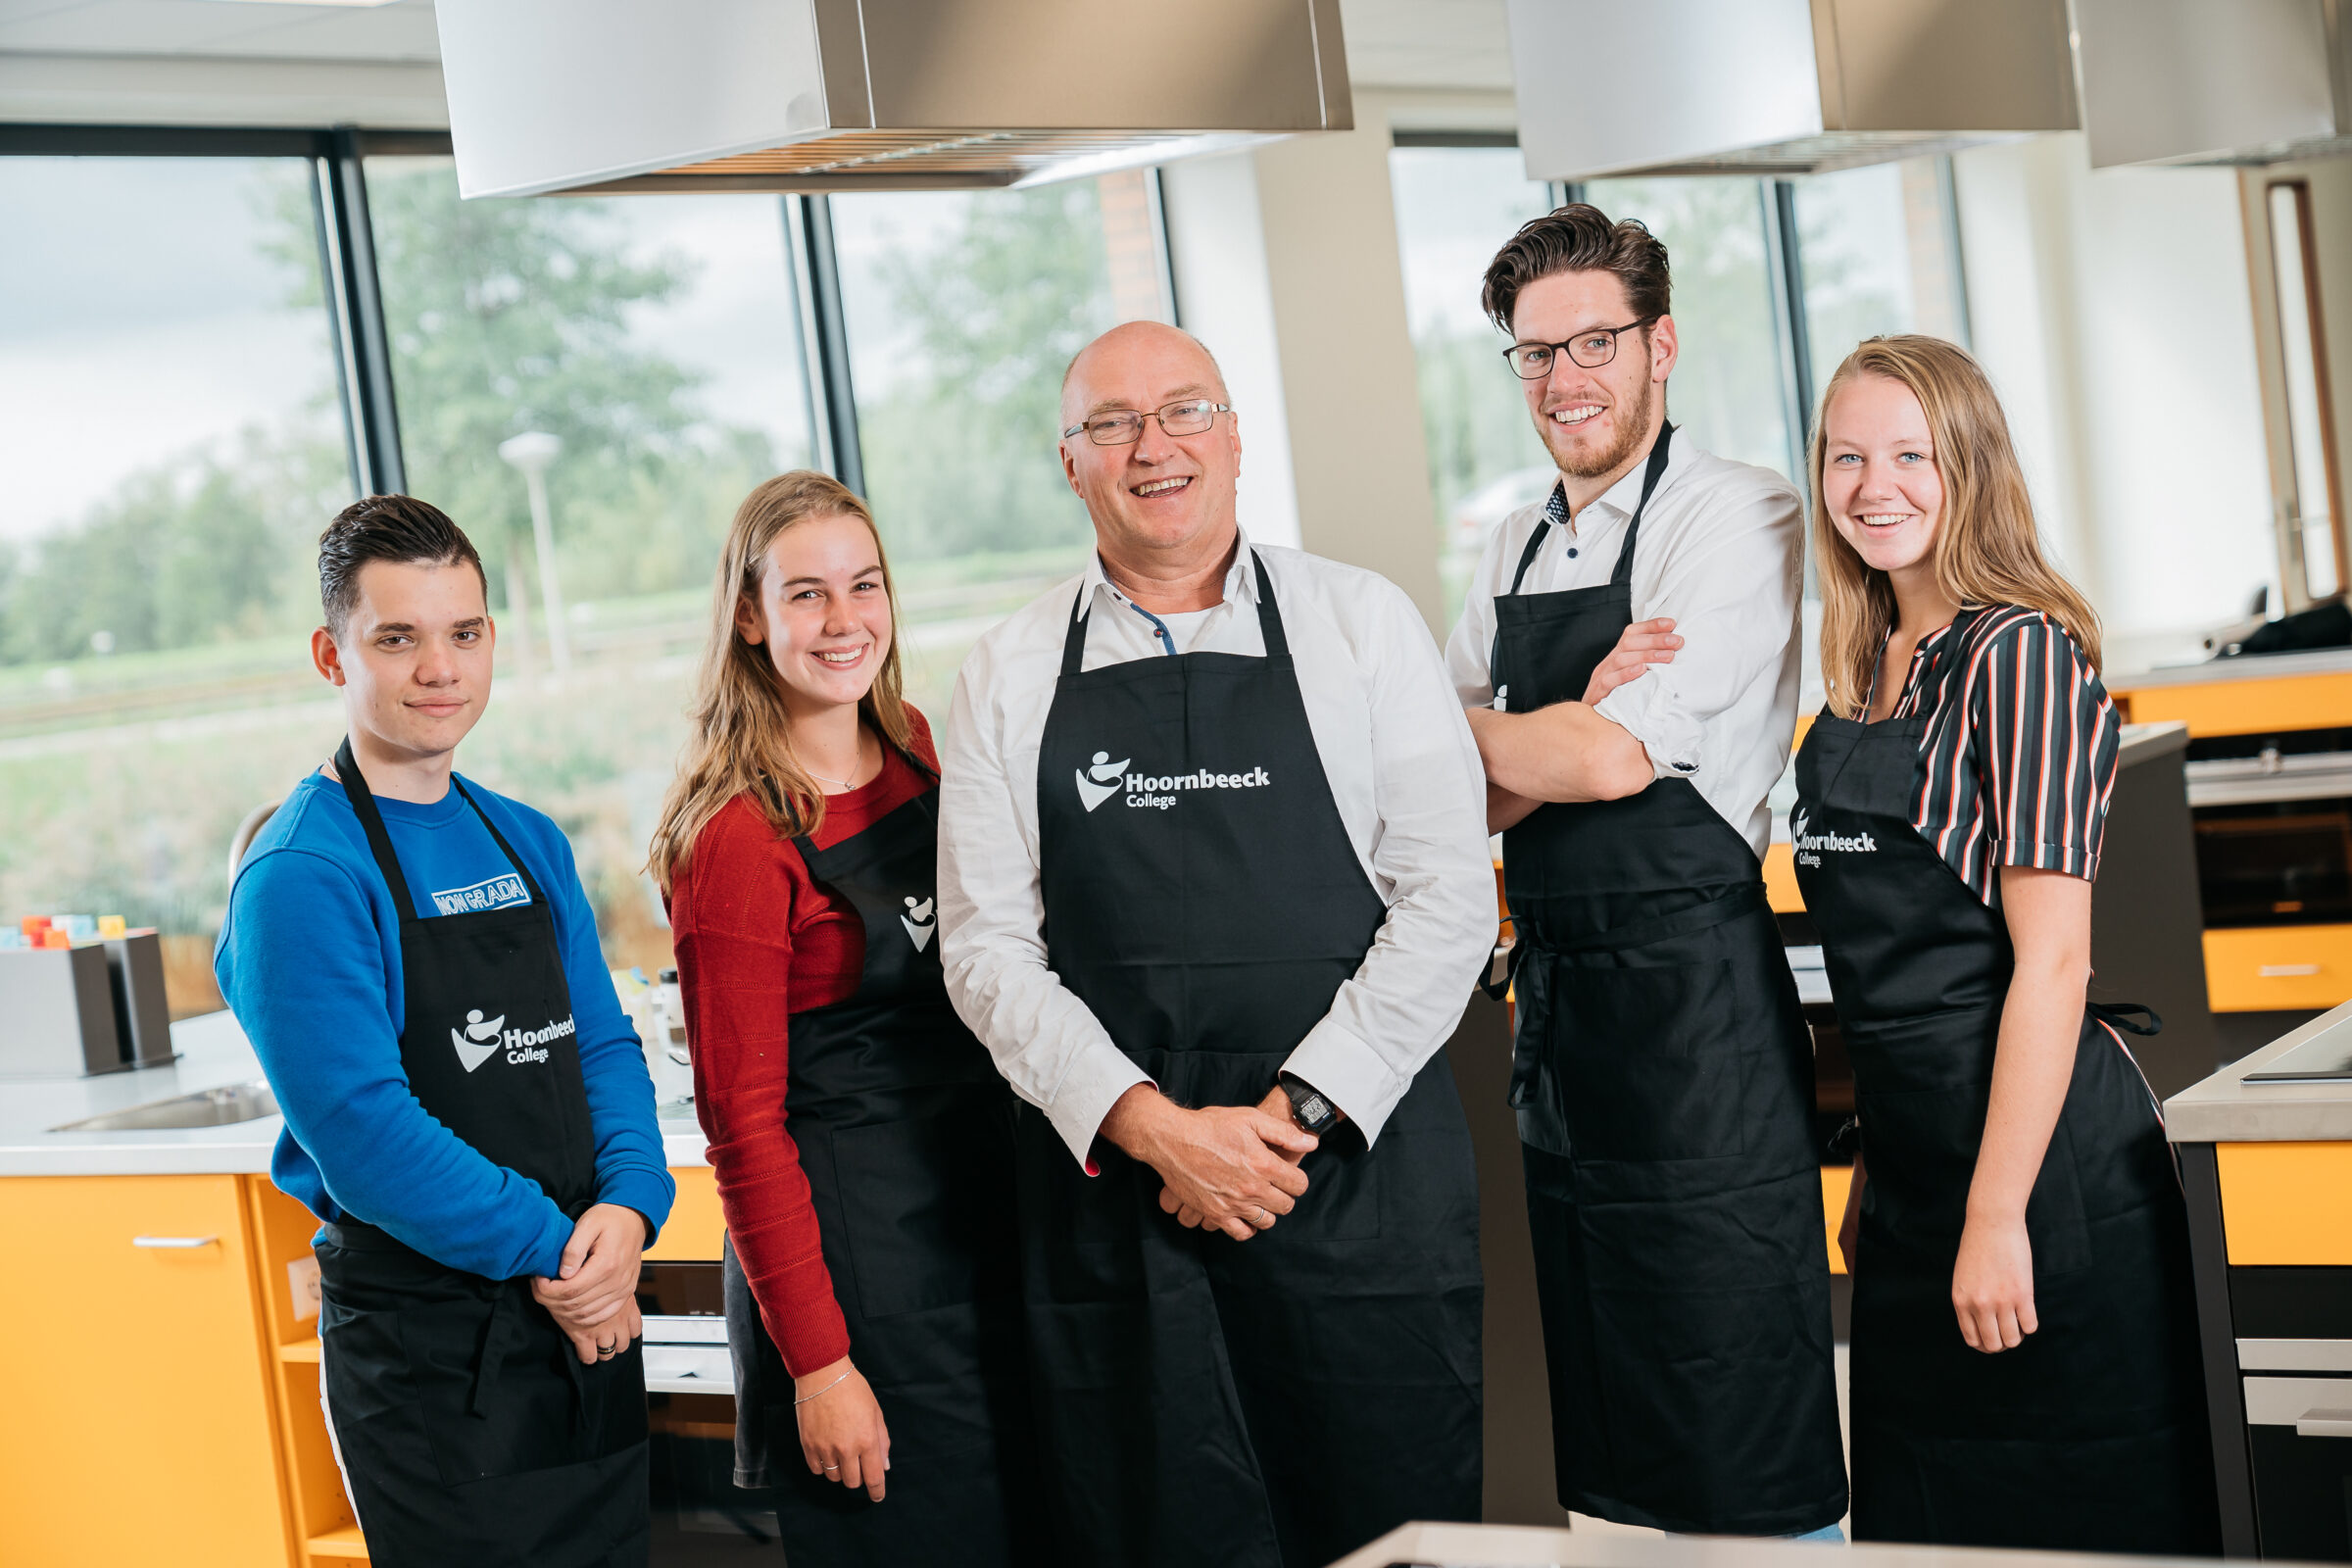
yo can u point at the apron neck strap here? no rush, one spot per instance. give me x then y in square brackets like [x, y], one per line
[379, 842]
[1269, 622]
[1932, 676]
[1621, 573]
[1269, 613]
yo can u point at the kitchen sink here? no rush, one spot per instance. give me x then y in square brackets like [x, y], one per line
[206, 1108]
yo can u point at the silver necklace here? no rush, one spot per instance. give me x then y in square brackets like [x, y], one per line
[847, 784]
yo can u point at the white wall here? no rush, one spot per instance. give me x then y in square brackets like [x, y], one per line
[1217, 252]
[2113, 312]
[1287, 267]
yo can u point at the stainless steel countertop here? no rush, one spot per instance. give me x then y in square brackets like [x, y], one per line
[2227, 1109]
[214, 1053]
[2141, 743]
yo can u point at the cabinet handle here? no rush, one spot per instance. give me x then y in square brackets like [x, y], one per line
[2286, 971]
[174, 1242]
[2325, 1424]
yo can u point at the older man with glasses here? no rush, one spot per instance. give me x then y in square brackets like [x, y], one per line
[1213, 891]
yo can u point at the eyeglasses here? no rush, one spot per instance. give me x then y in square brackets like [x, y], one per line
[1125, 428]
[1591, 350]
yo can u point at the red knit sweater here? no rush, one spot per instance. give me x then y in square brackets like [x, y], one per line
[757, 942]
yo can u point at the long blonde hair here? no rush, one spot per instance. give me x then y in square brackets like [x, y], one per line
[1988, 549]
[742, 733]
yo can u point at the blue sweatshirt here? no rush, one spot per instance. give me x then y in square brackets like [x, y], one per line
[309, 960]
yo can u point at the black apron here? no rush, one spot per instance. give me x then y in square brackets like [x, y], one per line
[1664, 1079]
[468, 1428]
[1202, 1400]
[904, 1132]
[2091, 1435]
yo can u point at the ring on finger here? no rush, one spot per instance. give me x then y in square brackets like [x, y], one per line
[832, 1467]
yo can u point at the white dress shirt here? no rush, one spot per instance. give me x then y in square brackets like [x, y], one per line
[1722, 551]
[1403, 772]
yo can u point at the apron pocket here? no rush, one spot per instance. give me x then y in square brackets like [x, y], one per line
[502, 1394]
[922, 1201]
[1922, 1146]
[1645, 1061]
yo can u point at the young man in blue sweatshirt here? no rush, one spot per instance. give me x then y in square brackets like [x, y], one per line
[466, 1108]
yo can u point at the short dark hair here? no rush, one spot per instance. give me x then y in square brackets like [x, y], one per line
[1580, 238]
[395, 528]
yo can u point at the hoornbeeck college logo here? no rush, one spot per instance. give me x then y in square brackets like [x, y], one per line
[482, 1038]
[1106, 778]
[1809, 844]
[1101, 782]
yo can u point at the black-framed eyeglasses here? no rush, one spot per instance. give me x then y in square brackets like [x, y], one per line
[1124, 428]
[1534, 360]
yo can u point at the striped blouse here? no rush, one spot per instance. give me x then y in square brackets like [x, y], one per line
[2018, 755]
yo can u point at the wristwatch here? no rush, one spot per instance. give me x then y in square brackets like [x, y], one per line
[1308, 1109]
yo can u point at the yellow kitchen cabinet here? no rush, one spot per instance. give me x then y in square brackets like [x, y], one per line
[140, 1423]
[694, 1230]
[2278, 967]
[2287, 1205]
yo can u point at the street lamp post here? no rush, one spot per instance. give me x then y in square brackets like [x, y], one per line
[533, 452]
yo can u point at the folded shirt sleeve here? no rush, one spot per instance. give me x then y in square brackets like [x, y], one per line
[2047, 741]
[1734, 600]
[1407, 995]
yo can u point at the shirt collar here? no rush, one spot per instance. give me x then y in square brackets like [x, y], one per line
[1626, 494]
[1241, 581]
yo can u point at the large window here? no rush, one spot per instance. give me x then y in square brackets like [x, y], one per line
[202, 358]
[1880, 254]
[657, 340]
[1455, 206]
[963, 309]
[172, 437]
[1726, 392]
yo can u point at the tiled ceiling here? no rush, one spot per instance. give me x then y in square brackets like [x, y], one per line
[1392, 43]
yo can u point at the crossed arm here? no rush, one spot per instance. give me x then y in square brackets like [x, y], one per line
[1570, 752]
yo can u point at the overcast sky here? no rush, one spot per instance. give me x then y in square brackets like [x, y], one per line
[141, 319]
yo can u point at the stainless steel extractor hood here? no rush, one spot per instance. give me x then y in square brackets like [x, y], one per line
[2201, 81]
[1781, 87]
[569, 95]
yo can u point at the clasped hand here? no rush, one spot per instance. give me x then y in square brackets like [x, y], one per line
[594, 1298]
[1230, 1168]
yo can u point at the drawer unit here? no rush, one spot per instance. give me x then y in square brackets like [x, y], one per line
[2264, 704]
[2276, 969]
[2299, 1443]
[2294, 1328]
[2271, 1233]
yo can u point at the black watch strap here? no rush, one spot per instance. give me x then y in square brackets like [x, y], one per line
[1308, 1109]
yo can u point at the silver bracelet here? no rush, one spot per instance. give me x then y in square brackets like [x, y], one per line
[828, 1388]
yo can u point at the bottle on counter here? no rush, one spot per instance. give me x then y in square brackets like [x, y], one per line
[673, 1017]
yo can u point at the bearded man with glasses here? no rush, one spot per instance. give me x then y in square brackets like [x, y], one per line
[1628, 660]
[1213, 890]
